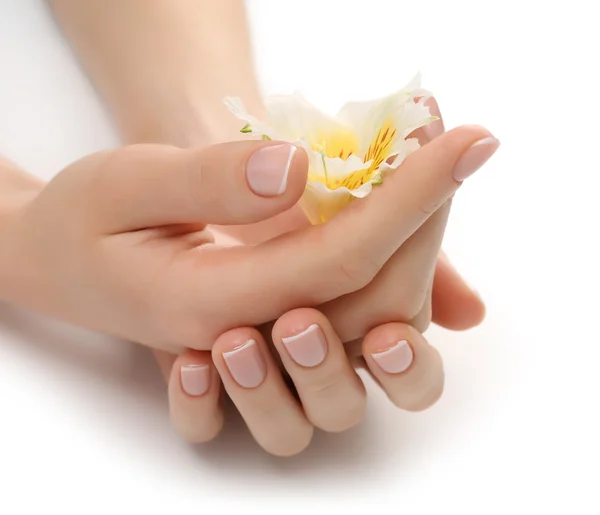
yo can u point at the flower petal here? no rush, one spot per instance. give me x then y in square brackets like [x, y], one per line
[236, 106]
[295, 118]
[333, 167]
[402, 151]
[367, 118]
[320, 204]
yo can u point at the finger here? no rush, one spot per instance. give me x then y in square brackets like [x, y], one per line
[326, 261]
[455, 305]
[400, 292]
[194, 397]
[231, 183]
[255, 385]
[406, 366]
[332, 394]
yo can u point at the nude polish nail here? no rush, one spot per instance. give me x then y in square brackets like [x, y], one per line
[308, 348]
[195, 379]
[246, 364]
[396, 359]
[474, 158]
[268, 168]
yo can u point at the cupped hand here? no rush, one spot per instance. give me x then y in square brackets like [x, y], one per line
[118, 242]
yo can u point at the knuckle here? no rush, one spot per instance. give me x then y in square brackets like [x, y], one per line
[429, 206]
[356, 270]
[411, 304]
[422, 321]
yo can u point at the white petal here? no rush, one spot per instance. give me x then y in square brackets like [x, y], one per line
[320, 204]
[403, 149]
[295, 118]
[236, 106]
[411, 116]
[367, 118]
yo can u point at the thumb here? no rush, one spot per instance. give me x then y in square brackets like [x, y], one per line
[234, 183]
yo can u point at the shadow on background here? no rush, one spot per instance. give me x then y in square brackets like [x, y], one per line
[125, 385]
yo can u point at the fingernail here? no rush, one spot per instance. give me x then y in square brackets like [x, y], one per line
[396, 359]
[308, 348]
[246, 364]
[268, 168]
[474, 158]
[434, 129]
[195, 379]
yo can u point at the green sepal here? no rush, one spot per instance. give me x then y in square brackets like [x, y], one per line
[377, 181]
[246, 128]
[265, 138]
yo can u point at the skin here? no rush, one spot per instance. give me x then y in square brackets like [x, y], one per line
[135, 258]
[152, 74]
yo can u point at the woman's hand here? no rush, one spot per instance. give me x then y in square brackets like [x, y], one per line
[118, 242]
[330, 394]
[163, 70]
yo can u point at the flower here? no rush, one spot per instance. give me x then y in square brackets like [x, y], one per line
[349, 153]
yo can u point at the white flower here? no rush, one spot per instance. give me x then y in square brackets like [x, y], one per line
[348, 153]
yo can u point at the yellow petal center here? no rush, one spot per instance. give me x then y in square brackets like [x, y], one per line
[343, 143]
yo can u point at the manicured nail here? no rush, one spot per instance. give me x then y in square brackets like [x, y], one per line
[434, 129]
[268, 168]
[308, 348]
[246, 364]
[474, 158]
[396, 359]
[195, 379]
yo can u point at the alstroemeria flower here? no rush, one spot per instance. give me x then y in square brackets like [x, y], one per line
[348, 153]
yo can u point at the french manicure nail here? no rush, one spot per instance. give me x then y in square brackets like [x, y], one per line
[434, 129]
[308, 348]
[195, 379]
[268, 168]
[246, 364]
[474, 158]
[396, 359]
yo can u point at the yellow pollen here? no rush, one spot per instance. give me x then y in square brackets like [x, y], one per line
[343, 144]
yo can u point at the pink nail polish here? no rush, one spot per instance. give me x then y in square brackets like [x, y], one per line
[246, 364]
[396, 359]
[268, 168]
[308, 348]
[474, 158]
[434, 129]
[195, 379]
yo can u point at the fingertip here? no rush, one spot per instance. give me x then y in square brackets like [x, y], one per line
[455, 304]
[408, 369]
[194, 397]
[298, 320]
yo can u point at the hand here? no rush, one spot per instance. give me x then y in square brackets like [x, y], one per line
[407, 289]
[117, 241]
[330, 394]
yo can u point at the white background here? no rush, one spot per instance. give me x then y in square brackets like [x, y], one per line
[83, 423]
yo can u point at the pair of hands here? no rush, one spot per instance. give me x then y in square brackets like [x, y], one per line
[118, 242]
